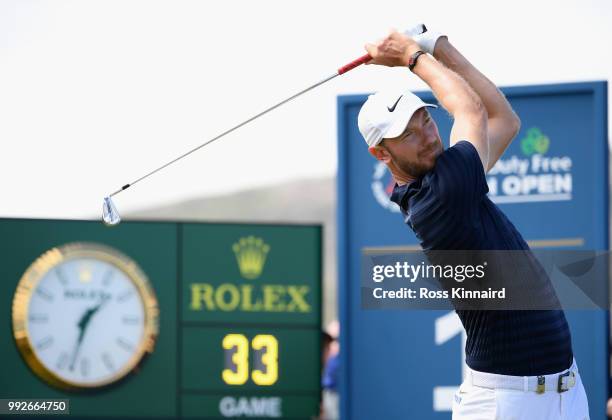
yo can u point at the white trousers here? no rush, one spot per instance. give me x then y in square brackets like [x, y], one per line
[473, 402]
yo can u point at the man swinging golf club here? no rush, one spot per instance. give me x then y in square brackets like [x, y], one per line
[520, 362]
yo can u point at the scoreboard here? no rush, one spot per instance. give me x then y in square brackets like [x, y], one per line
[236, 308]
[250, 303]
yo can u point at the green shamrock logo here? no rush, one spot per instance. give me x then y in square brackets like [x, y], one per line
[535, 142]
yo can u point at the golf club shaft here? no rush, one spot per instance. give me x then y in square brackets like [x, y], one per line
[355, 63]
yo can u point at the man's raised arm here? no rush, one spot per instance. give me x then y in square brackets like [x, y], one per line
[454, 93]
[503, 124]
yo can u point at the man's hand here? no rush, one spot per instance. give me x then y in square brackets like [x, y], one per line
[394, 50]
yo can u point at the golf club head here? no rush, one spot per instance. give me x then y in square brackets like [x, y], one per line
[110, 215]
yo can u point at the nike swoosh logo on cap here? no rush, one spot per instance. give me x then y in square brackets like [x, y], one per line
[395, 104]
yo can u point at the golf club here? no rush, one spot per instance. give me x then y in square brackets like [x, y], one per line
[110, 215]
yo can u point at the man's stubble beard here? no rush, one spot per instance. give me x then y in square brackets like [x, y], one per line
[414, 169]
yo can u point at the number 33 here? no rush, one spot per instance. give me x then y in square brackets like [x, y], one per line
[236, 349]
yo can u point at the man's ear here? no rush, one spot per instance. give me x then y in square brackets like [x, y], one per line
[380, 153]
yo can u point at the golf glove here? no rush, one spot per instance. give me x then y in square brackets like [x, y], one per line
[425, 38]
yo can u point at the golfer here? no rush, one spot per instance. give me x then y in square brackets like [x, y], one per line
[521, 364]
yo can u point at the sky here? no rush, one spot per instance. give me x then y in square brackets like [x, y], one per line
[95, 94]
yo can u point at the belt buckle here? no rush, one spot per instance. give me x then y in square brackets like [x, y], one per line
[566, 381]
[541, 385]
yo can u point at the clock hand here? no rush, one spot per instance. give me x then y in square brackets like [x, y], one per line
[82, 324]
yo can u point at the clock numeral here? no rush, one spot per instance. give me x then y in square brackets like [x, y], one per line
[85, 365]
[125, 296]
[38, 318]
[130, 320]
[108, 361]
[62, 361]
[124, 344]
[44, 294]
[107, 278]
[45, 343]
[61, 276]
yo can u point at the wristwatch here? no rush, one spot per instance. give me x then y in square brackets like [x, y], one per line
[413, 59]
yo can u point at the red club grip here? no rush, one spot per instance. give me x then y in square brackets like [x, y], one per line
[355, 63]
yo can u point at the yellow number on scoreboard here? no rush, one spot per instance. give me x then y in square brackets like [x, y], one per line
[269, 359]
[237, 373]
[240, 359]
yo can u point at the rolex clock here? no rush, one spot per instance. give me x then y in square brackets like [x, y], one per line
[84, 316]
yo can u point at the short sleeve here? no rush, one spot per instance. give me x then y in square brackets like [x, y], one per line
[459, 176]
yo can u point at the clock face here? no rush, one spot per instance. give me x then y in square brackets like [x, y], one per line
[84, 316]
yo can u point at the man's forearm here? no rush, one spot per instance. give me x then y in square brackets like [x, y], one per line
[494, 101]
[460, 100]
[454, 93]
[503, 123]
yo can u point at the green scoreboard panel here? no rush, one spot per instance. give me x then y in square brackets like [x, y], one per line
[250, 321]
[239, 317]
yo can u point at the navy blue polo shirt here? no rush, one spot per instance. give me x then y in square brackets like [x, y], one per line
[448, 209]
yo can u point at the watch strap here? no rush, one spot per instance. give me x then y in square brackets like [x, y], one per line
[412, 61]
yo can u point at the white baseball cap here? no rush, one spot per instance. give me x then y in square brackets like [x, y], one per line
[386, 114]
